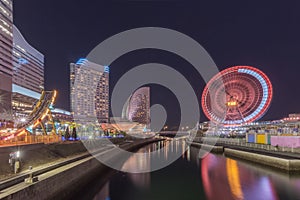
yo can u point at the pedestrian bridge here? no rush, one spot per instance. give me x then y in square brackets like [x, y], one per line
[174, 133]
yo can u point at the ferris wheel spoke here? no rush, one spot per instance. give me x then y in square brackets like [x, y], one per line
[244, 88]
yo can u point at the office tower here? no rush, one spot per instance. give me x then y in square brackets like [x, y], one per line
[6, 72]
[28, 75]
[89, 84]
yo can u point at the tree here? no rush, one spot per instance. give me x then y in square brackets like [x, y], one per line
[67, 133]
[74, 133]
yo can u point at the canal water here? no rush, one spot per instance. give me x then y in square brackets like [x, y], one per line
[213, 177]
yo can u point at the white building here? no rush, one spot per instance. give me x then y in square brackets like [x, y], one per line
[89, 84]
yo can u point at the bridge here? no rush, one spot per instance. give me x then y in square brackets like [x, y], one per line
[174, 133]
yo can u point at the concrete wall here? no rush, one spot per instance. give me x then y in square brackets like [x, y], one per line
[284, 164]
[243, 143]
[209, 148]
[60, 183]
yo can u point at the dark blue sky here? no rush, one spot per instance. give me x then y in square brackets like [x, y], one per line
[263, 34]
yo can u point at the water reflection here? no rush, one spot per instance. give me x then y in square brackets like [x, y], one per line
[214, 178]
[219, 178]
[104, 193]
[162, 152]
[225, 178]
[233, 176]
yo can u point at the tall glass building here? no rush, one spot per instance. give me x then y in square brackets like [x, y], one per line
[138, 106]
[28, 75]
[6, 69]
[89, 84]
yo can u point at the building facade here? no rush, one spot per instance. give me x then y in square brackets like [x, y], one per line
[89, 84]
[138, 106]
[61, 115]
[6, 67]
[21, 69]
[28, 64]
[28, 75]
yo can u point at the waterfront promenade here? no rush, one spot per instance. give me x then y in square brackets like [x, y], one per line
[83, 166]
[282, 158]
[54, 178]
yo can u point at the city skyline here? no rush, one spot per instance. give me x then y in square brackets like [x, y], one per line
[131, 99]
[247, 40]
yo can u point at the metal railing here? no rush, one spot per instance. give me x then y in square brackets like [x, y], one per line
[32, 139]
[242, 143]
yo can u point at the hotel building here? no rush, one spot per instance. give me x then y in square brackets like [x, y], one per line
[138, 106]
[89, 84]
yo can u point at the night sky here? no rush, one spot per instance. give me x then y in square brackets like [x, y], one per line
[264, 35]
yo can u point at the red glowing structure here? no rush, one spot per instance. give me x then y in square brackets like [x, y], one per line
[237, 95]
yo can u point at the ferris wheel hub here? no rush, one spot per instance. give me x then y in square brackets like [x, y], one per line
[240, 94]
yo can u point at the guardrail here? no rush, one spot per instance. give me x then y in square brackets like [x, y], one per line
[38, 171]
[32, 139]
[242, 143]
[20, 178]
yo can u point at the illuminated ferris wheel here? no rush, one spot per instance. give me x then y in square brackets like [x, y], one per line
[240, 94]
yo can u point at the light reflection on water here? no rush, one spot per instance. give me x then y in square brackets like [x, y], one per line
[225, 178]
[214, 177]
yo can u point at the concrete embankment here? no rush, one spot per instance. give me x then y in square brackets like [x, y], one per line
[59, 183]
[275, 162]
[38, 154]
[278, 160]
[209, 148]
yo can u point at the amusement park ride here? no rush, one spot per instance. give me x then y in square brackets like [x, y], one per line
[237, 95]
[40, 115]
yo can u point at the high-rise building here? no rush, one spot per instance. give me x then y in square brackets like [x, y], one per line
[138, 106]
[28, 64]
[89, 84]
[6, 69]
[28, 75]
[21, 68]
